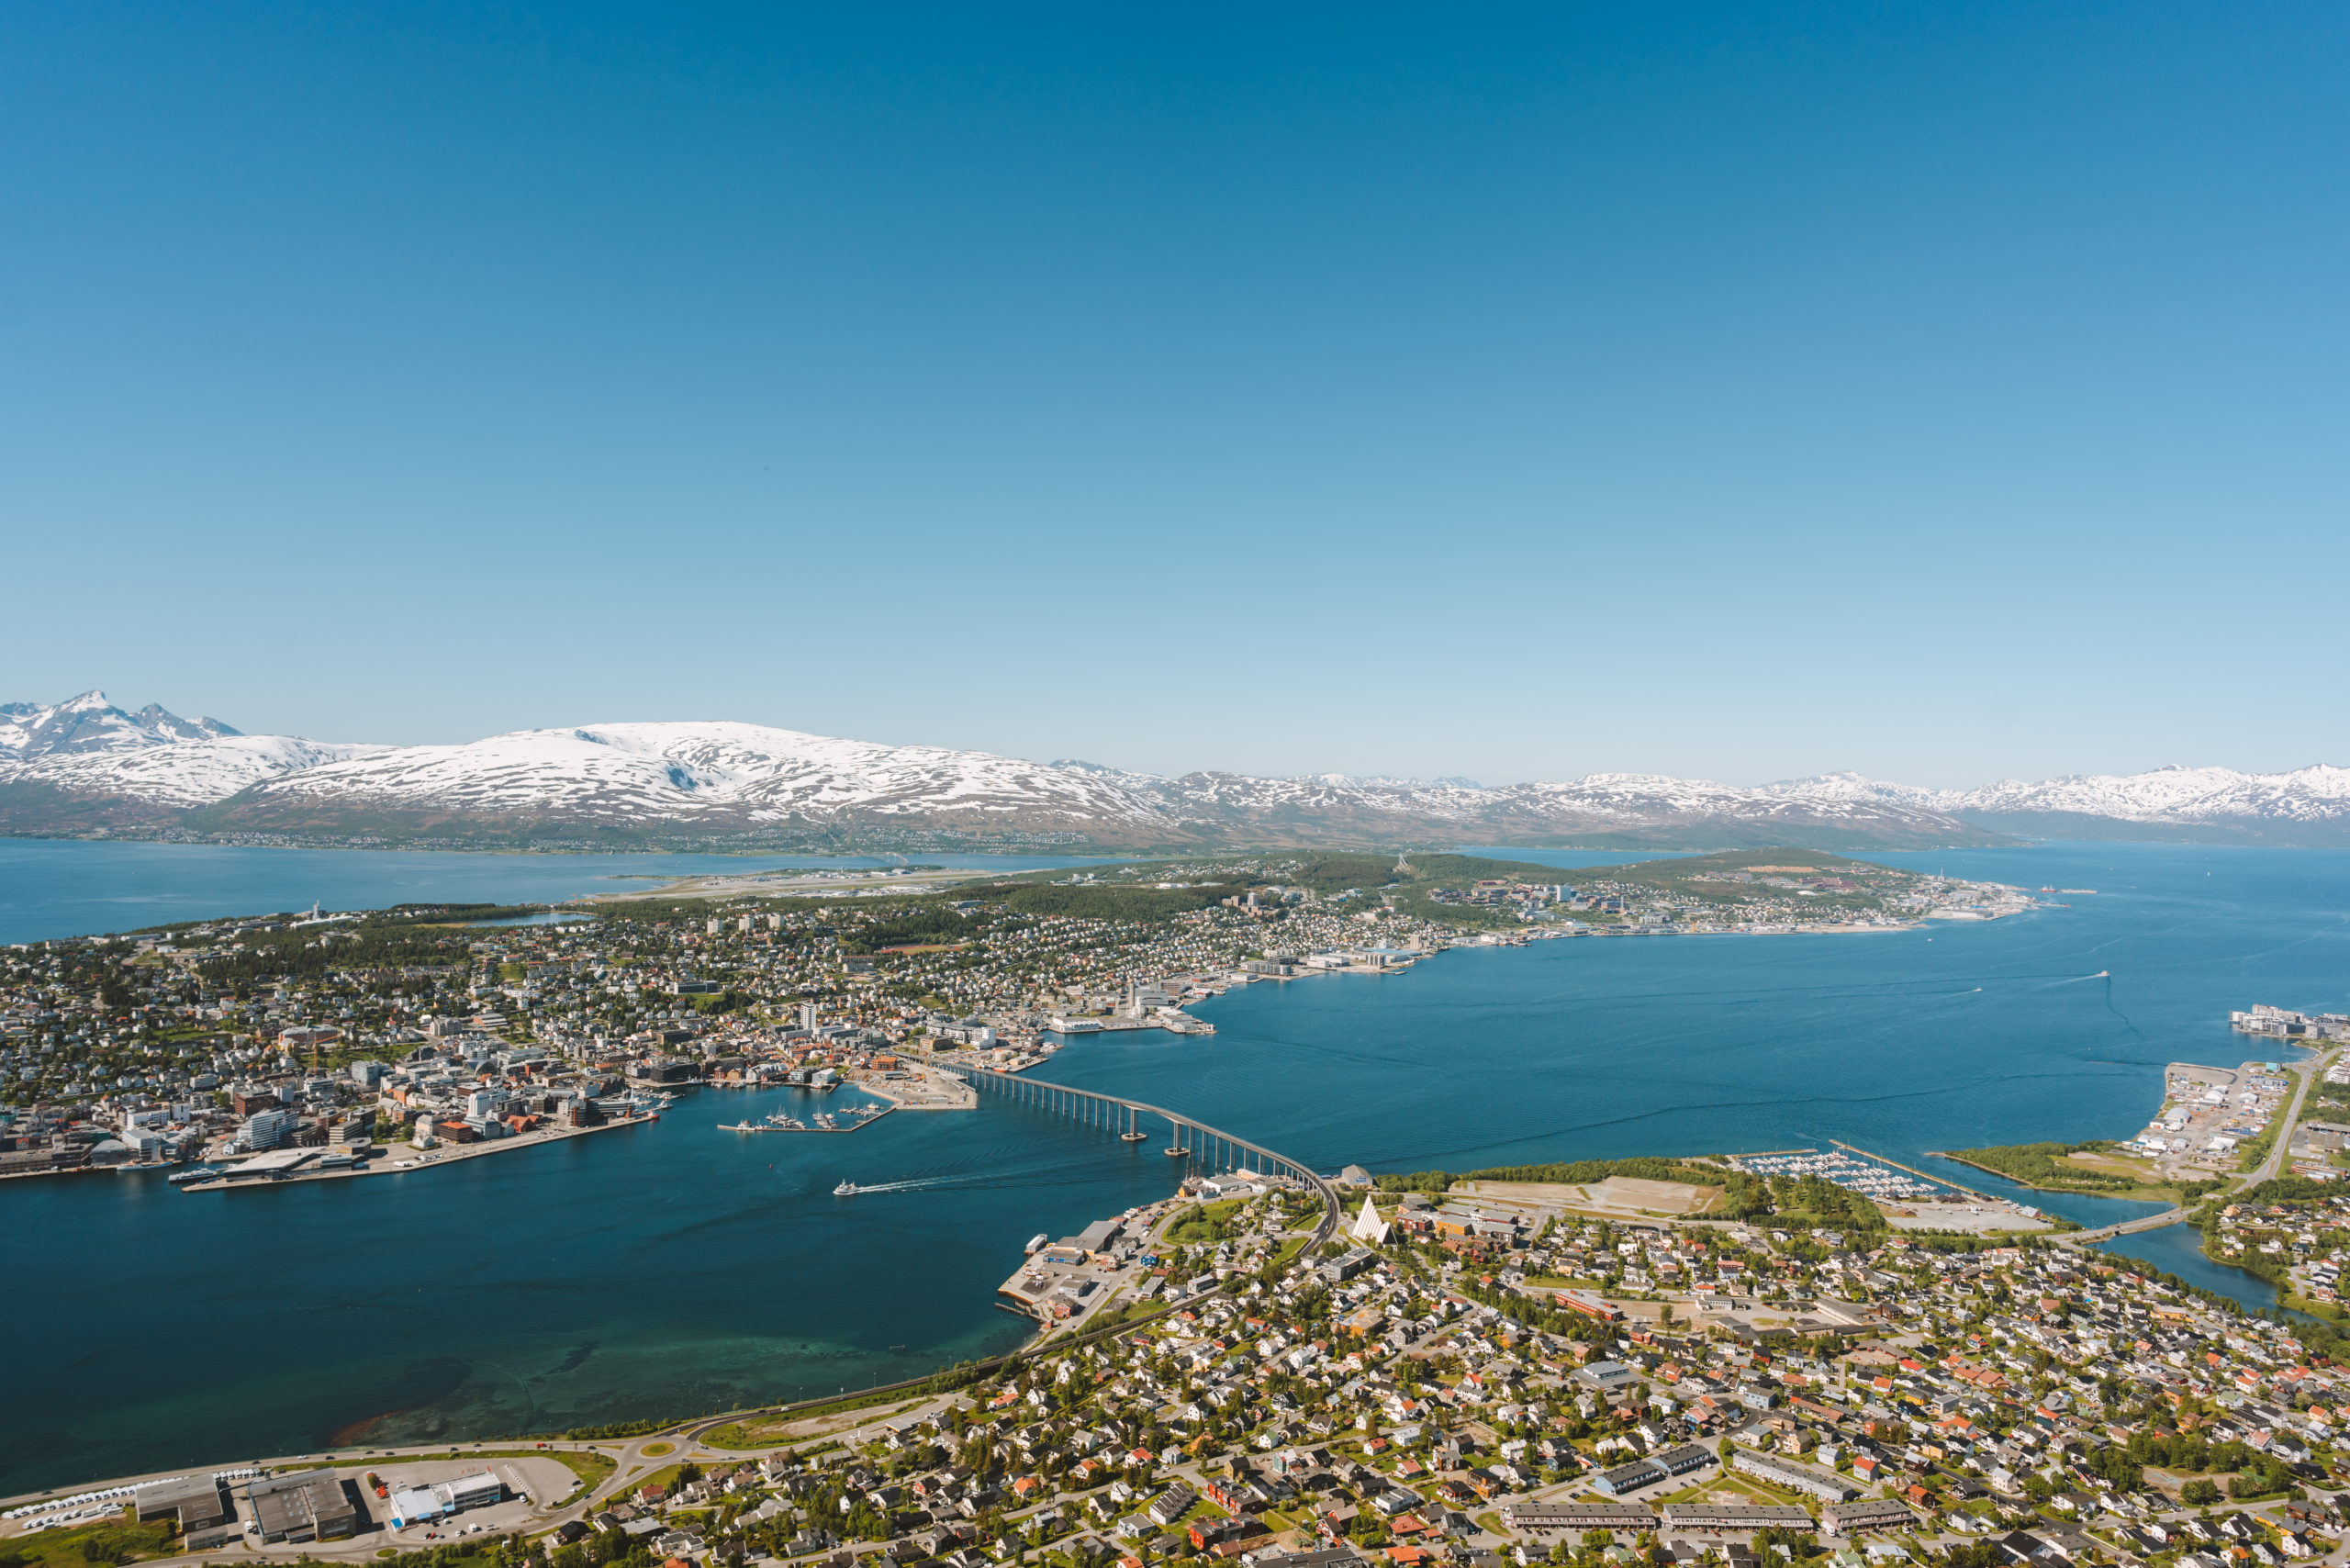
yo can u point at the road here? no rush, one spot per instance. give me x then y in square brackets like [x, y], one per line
[633, 1457]
[2307, 1074]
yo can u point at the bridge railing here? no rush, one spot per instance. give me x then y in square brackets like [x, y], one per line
[1273, 1162]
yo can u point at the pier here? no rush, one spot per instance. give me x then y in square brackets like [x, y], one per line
[854, 1120]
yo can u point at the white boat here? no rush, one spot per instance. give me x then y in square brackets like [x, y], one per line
[847, 1190]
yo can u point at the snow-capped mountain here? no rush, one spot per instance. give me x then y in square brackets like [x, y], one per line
[86, 764]
[87, 751]
[2307, 805]
[718, 772]
[2174, 794]
[90, 723]
[732, 777]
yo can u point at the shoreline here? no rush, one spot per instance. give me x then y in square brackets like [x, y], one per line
[501, 1145]
[1044, 1336]
[447, 1154]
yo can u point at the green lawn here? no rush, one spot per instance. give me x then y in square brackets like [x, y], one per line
[665, 1477]
[118, 1539]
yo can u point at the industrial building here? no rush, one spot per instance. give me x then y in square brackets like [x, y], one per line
[414, 1505]
[309, 1505]
[193, 1502]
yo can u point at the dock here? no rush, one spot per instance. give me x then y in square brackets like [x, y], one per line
[794, 1125]
[385, 1164]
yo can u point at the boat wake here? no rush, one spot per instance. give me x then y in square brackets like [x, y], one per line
[917, 1184]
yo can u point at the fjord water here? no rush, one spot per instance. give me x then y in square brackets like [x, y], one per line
[51, 887]
[662, 1269]
[671, 1268]
[1960, 1035]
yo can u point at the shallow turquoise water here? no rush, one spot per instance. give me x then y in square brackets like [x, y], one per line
[668, 1269]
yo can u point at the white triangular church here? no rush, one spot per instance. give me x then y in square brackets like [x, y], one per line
[1369, 1227]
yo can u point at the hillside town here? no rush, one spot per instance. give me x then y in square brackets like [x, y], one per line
[1433, 1385]
[344, 1032]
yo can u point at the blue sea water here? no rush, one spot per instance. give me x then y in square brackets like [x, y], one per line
[73, 888]
[661, 1269]
[2050, 1025]
[672, 1268]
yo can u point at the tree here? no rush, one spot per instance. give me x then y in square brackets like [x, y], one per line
[2200, 1493]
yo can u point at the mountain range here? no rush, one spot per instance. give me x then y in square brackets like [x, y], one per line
[87, 765]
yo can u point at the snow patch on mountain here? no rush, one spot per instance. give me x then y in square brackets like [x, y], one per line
[91, 723]
[184, 774]
[2173, 795]
[651, 771]
[86, 746]
[729, 775]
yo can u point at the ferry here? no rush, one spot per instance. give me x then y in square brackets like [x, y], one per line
[194, 1173]
[847, 1189]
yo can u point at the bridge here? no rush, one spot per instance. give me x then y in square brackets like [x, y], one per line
[1202, 1147]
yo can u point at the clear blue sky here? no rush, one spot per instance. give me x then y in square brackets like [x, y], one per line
[1946, 392]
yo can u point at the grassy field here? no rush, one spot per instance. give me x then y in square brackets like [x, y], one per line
[1203, 1223]
[118, 1539]
[664, 1478]
[2092, 1167]
[744, 1435]
[774, 1431]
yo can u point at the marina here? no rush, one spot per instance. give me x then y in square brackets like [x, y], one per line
[1856, 1171]
[844, 1121]
[1489, 1057]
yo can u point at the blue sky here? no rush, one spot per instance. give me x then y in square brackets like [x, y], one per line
[1948, 393]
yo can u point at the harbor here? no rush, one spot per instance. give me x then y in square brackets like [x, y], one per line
[848, 1120]
[279, 1166]
[910, 1086]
